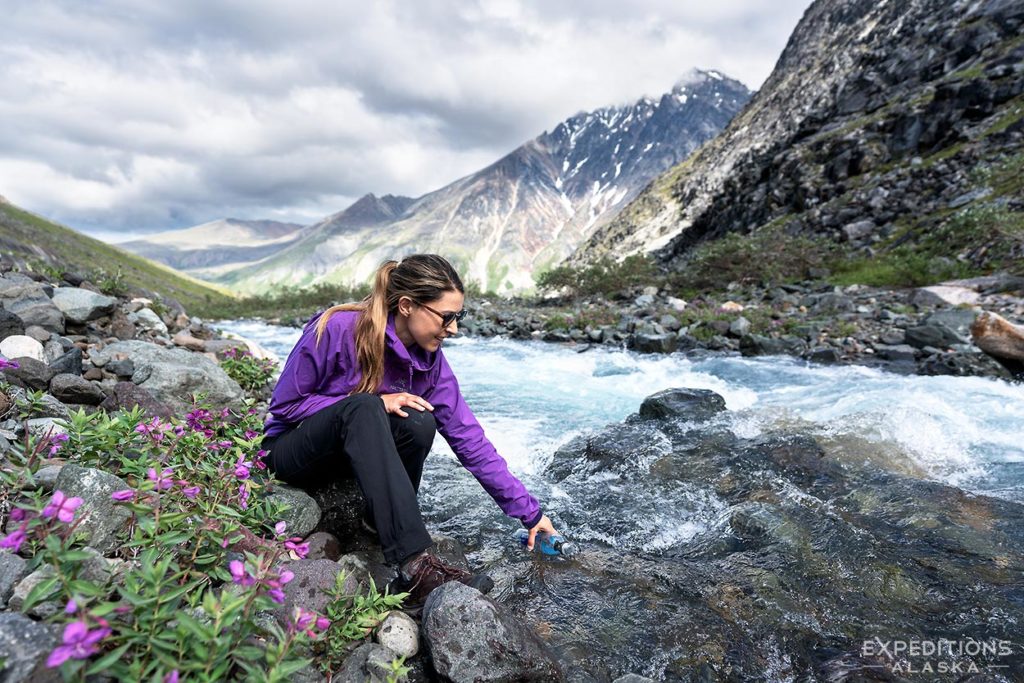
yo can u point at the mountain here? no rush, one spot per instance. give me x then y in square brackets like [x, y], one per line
[885, 128]
[32, 241]
[505, 223]
[207, 249]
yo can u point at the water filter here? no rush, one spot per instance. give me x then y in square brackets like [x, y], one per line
[548, 544]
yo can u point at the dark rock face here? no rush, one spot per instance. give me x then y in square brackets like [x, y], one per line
[30, 374]
[686, 404]
[471, 638]
[68, 363]
[10, 324]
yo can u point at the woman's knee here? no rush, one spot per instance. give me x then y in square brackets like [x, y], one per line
[420, 426]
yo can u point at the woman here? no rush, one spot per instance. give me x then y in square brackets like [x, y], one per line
[366, 386]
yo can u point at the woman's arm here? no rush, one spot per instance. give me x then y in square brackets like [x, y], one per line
[463, 432]
[299, 391]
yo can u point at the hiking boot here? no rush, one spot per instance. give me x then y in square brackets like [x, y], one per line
[422, 574]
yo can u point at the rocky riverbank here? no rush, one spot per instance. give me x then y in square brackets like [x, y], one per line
[916, 330]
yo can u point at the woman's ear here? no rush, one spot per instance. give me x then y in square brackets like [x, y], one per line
[405, 306]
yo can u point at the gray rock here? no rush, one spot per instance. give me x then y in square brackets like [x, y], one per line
[22, 346]
[739, 327]
[10, 324]
[400, 634]
[858, 230]
[80, 305]
[28, 300]
[172, 376]
[48, 405]
[24, 647]
[670, 322]
[307, 588]
[121, 368]
[824, 354]
[368, 663]
[68, 363]
[38, 333]
[944, 295]
[302, 514]
[687, 404]
[936, 336]
[96, 569]
[47, 476]
[654, 343]
[125, 396]
[52, 350]
[147, 319]
[323, 546]
[76, 389]
[30, 373]
[757, 345]
[643, 300]
[12, 570]
[633, 678]
[102, 520]
[896, 352]
[40, 427]
[471, 638]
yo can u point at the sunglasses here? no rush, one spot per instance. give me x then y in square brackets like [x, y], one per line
[447, 318]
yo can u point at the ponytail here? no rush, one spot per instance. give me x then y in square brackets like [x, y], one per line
[421, 277]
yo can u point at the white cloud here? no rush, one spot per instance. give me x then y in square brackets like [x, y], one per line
[127, 115]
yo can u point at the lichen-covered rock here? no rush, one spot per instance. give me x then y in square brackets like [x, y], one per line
[399, 633]
[302, 514]
[473, 639]
[101, 519]
[368, 663]
[24, 647]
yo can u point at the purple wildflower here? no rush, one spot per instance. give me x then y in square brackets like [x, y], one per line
[17, 514]
[71, 607]
[78, 643]
[303, 618]
[275, 585]
[242, 467]
[14, 539]
[296, 546]
[239, 575]
[123, 495]
[171, 677]
[62, 507]
[56, 442]
[162, 481]
[154, 429]
[190, 491]
[243, 496]
[323, 623]
[4, 363]
[250, 434]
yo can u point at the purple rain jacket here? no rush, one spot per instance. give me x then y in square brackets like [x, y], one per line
[317, 375]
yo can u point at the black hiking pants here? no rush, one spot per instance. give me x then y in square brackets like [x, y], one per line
[385, 453]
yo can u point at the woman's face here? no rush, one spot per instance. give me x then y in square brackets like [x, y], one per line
[416, 324]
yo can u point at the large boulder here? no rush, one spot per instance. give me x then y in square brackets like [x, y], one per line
[308, 588]
[127, 395]
[80, 305]
[172, 376]
[24, 647]
[30, 373]
[687, 404]
[27, 299]
[1001, 339]
[472, 638]
[101, 519]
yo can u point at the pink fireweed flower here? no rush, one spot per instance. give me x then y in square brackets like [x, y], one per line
[323, 623]
[190, 491]
[225, 412]
[5, 363]
[242, 467]
[250, 434]
[162, 481]
[280, 528]
[56, 442]
[243, 496]
[71, 607]
[62, 507]
[14, 540]
[303, 618]
[275, 585]
[154, 429]
[171, 677]
[17, 514]
[78, 643]
[239, 575]
[123, 495]
[179, 430]
[295, 546]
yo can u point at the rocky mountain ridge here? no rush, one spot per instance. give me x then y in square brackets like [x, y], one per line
[527, 211]
[872, 132]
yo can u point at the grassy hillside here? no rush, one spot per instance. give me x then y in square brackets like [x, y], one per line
[45, 244]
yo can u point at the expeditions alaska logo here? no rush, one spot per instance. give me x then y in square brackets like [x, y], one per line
[939, 656]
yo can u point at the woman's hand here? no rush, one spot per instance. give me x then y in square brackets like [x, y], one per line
[393, 403]
[543, 525]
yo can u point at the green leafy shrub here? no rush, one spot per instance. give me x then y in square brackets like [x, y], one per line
[251, 373]
[606, 277]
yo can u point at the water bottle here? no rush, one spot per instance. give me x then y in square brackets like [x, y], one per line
[548, 544]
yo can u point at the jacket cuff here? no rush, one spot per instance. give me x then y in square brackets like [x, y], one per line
[529, 524]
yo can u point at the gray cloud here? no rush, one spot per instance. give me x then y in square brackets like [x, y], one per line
[126, 116]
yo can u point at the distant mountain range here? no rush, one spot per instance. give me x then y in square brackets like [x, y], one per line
[501, 226]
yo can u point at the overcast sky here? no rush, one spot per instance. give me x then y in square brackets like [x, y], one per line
[130, 116]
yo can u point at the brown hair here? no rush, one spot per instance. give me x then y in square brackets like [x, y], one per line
[421, 277]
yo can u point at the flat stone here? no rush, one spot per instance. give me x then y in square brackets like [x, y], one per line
[40, 334]
[944, 295]
[323, 546]
[185, 339]
[75, 389]
[79, 306]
